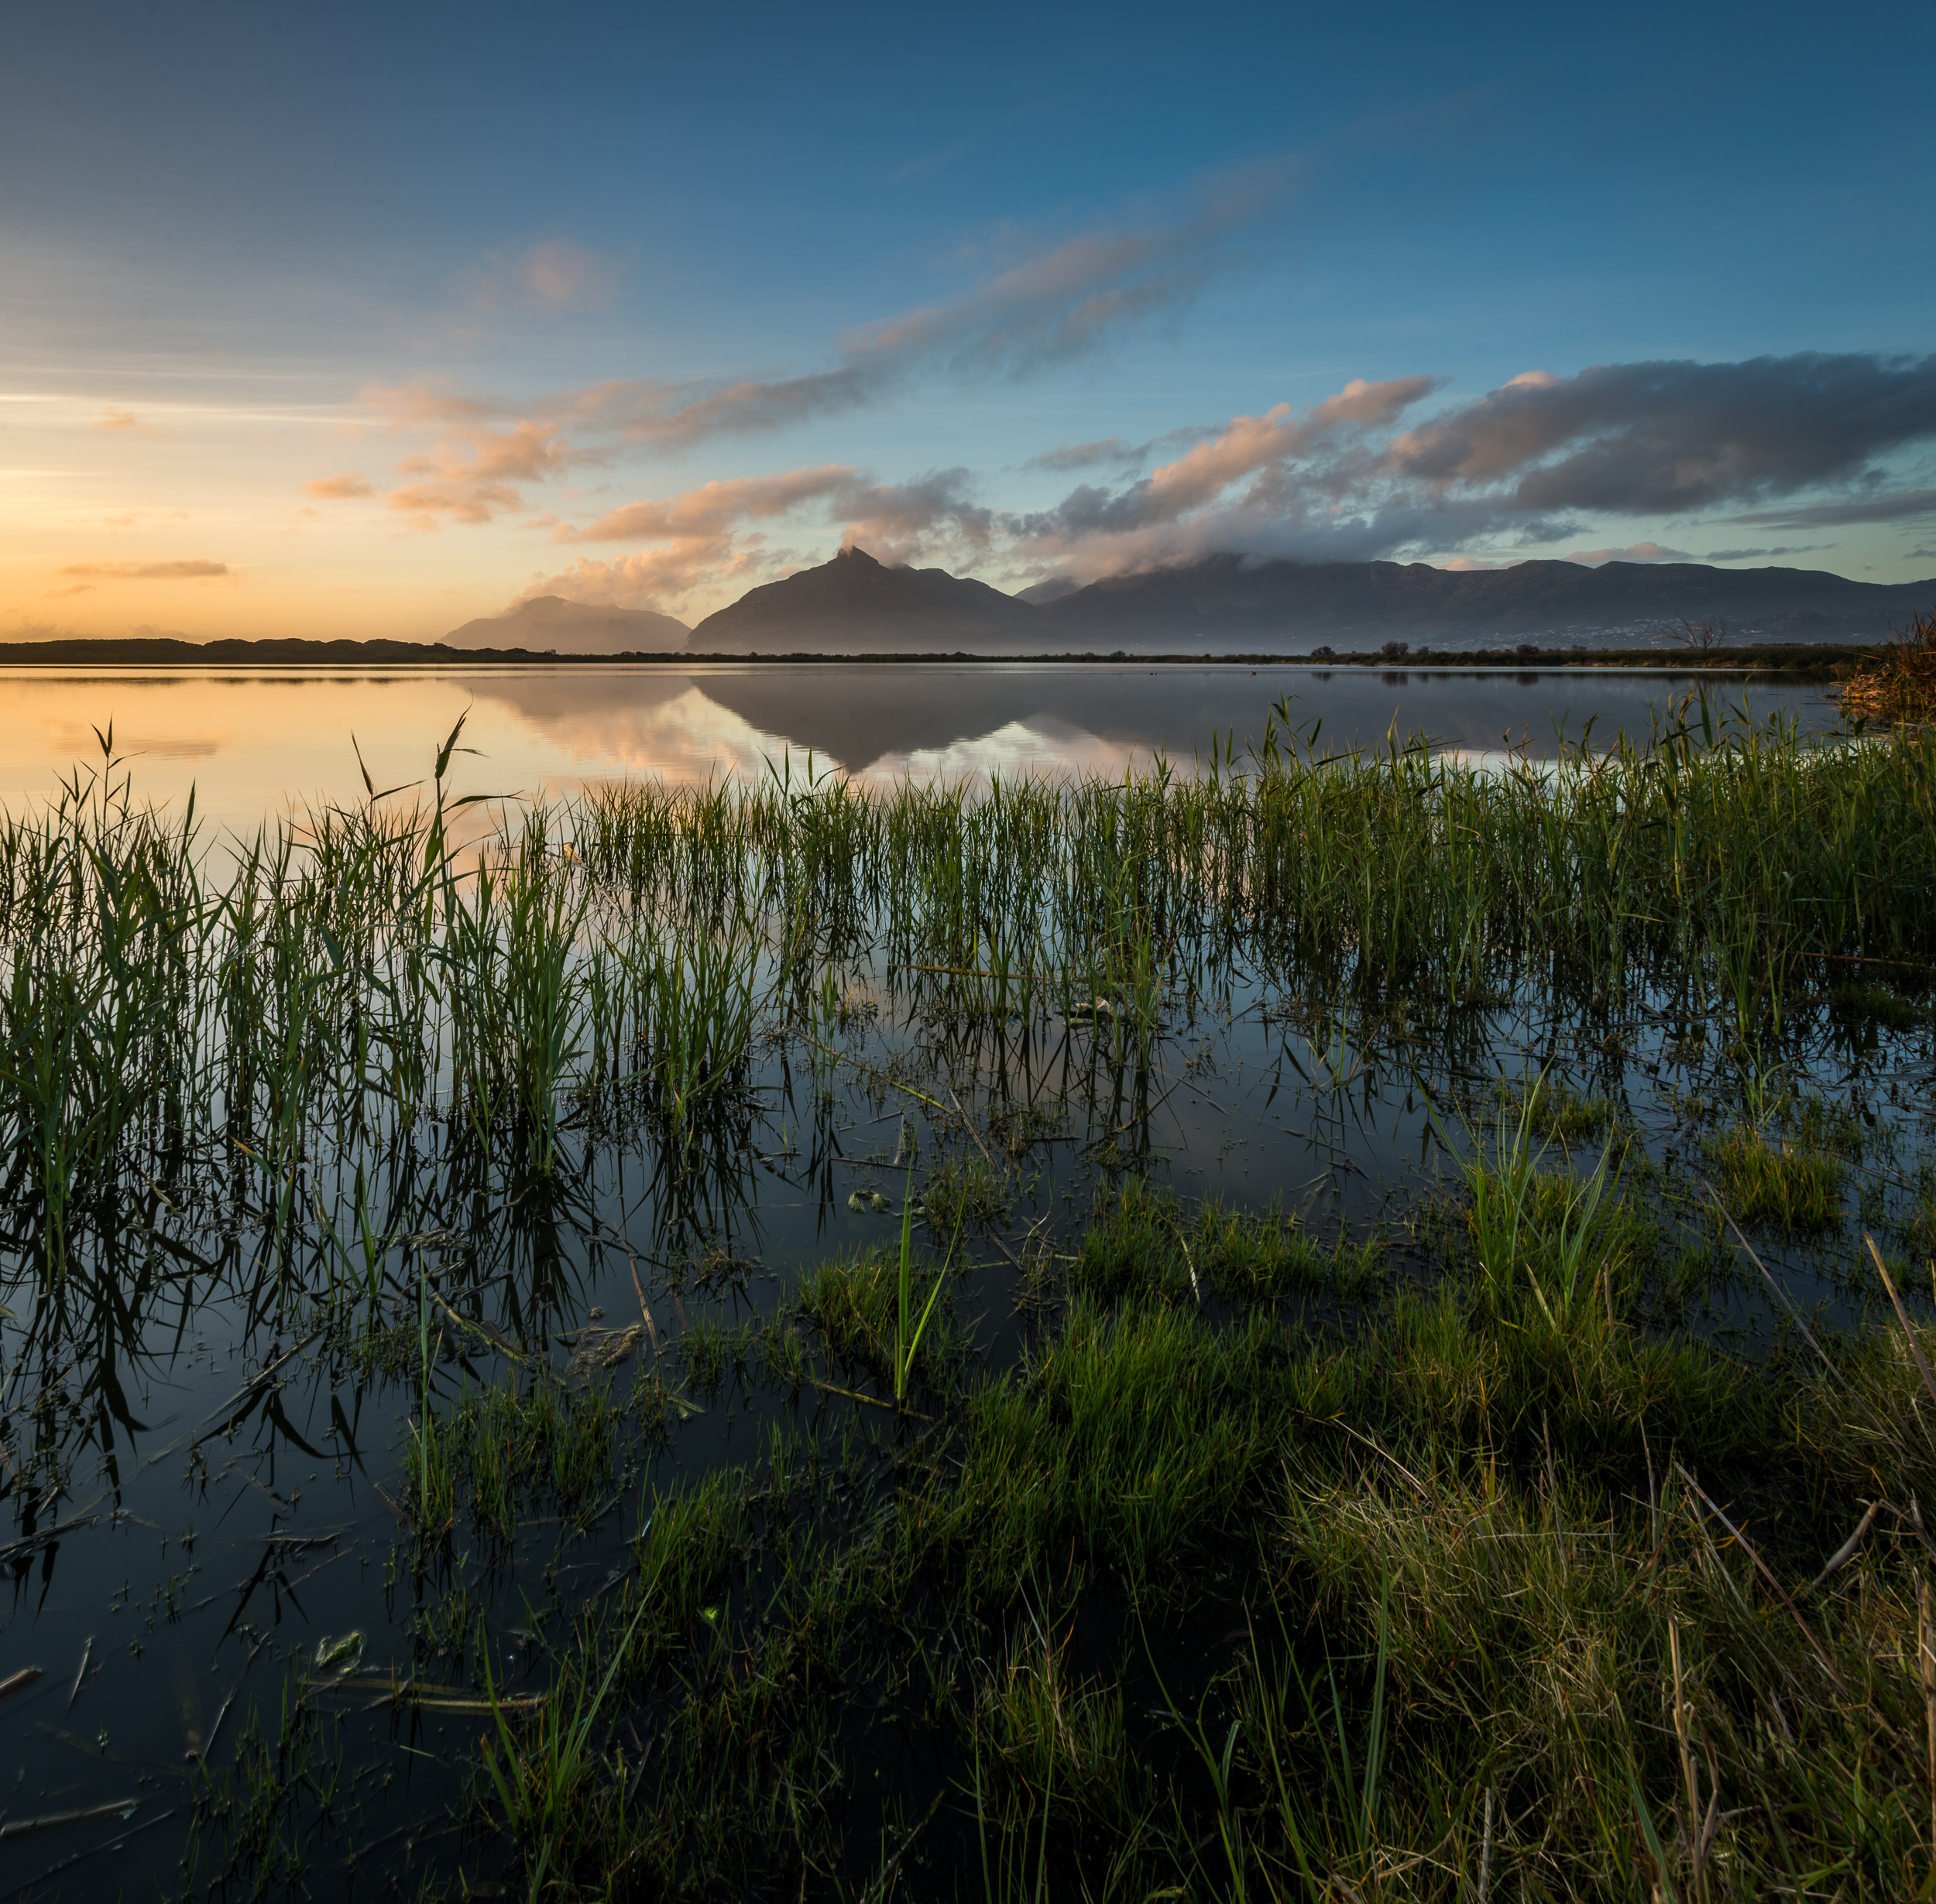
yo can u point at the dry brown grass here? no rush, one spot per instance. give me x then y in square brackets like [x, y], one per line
[1900, 683]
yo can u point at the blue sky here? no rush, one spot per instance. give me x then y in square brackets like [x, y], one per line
[335, 320]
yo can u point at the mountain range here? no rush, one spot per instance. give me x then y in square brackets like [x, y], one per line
[855, 605]
[549, 621]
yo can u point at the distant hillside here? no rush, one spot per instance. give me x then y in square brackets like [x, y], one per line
[1223, 599]
[549, 621]
[171, 651]
[854, 605]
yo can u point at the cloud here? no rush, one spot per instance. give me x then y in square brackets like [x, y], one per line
[1526, 461]
[112, 419]
[1747, 555]
[1048, 308]
[1667, 438]
[1634, 552]
[339, 488]
[1263, 449]
[1068, 456]
[1878, 505]
[147, 571]
[899, 522]
[470, 475]
[1030, 311]
[24, 630]
[713, 506]
[555, 279]
[714, 534]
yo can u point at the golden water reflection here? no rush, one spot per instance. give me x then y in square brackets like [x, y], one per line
[258, 745]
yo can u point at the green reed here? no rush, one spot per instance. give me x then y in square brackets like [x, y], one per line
[263, 1020]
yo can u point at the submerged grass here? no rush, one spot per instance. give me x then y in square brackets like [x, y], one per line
[1427, 1558]
[1498, 1624]
[1791, 1188]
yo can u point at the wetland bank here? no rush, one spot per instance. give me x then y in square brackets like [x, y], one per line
[1340, 1324]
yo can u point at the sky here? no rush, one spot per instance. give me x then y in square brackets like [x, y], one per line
[363, 321]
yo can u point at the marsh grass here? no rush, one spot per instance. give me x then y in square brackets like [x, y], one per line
[1140, 1241]
[1792, 1189]
[875, 1315]
[360, 972]
[967, 1193]
[507, 1447]
[1489, 1630]
[1048, 1738]
[258, 1824]
[1409, 1520]
[1568, 1117]
[1879, 1004]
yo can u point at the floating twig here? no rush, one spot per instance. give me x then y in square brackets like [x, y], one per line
[114, 1808]
[18, 1682]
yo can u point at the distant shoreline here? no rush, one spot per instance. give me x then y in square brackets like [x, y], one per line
[1821, 658]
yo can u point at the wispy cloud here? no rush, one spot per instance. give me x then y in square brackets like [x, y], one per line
[147, 571]
[1032, 309]
[342, 488]
[111, 418]
[1044, 309]
[472, 473]
[1765, 555]
[555, 279]
[1105, 452]
[1877, 503]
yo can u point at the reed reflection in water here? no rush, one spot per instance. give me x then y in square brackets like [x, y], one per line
[270, 743]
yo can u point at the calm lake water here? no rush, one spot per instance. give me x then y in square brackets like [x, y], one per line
[267, 742]
[199, 1509]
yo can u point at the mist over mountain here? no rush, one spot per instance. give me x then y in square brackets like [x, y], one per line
[549, 621]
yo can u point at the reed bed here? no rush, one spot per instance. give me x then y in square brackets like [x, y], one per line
[1231, 1557]
[346, 979]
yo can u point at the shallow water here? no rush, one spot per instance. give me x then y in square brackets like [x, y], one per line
[204, 1543]
[271, 741]
[213, 1496]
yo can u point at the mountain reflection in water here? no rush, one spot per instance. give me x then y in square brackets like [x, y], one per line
[259, 744]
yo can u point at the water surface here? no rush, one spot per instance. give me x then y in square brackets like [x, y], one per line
[271, 741]
[210, 1494]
